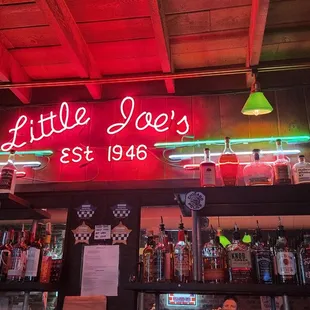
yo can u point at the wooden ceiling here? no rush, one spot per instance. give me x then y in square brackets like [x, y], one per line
[72, 39]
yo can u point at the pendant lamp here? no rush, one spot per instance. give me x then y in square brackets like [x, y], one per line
[257, 103]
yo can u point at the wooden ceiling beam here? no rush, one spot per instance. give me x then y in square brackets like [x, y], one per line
[12, 71]
[60, 18]
[259, 12]
[162, 40]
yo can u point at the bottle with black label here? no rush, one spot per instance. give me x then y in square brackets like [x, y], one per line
[285, 259]
[304, 260]
[282, 167]
[262, 258]
[239, 260]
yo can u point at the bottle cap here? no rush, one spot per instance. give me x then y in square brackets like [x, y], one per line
[278, 141]
[161, 225]
[181, 225]
[236, 234]
[301, 156]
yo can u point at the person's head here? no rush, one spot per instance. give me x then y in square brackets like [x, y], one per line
[230, 303]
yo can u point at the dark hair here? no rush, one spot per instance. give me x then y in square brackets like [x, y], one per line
[231, 298]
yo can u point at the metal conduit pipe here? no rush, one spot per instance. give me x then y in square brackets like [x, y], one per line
[156, 76]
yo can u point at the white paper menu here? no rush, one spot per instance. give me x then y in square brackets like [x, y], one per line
[100, 270]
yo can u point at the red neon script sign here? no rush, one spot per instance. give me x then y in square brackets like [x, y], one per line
[63, 116]
[65, 119]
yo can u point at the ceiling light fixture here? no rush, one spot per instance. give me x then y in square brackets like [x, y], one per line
[257, 103]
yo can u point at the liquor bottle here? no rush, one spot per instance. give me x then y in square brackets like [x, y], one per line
[169, 268]
[148, 259]
[229, 164]
[301, 171]
[5, 255]
[8, 175]
[160, 254]
[190, 255]
[34, 254]
[214, 260]
[262, 258]
[304, 260]
[46, 262]
[282, 168]
[286, 259]
[17, 267]
[181, 257]
[257, 172]
[207, 171]
[239, 260]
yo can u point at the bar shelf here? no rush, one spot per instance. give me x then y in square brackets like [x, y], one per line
[220, 289]
[13, 207]
[29, 287]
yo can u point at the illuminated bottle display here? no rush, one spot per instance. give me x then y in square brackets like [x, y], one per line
[285, 259]
[148, 259]
[214, 260]
[207, 171]
[301, 171]
[229, 164]
[160, 255]
[181, 257]
[239, 260]
[257, 173]
[8, 175]
[304, 260]
[282, 168]
[262, 259]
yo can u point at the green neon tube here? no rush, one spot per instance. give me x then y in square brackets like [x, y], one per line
[36, 153]
[295, 139]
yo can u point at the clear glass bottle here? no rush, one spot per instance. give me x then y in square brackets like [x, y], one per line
[34, 254]
[148, 259]
[160, 255]
[282, 167]
[285, 259]
[17, 267]
[257, 173]
[8, 175]
[304, 260]
[301, 171]
[229, 164]
[5, 251]
[239, 260]
[181, 258]
[214, 260]
[207, 171]
[263, 261]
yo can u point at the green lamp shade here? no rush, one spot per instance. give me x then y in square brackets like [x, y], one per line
[257, 104]
[247, 238]
[224, 241]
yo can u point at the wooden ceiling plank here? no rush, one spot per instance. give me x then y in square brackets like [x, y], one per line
[162, 39]
[11, 71]
[259, 12]
[61, 19]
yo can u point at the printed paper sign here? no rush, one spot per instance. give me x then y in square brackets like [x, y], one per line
[102, 232]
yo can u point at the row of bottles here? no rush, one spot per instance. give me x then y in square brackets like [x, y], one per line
[257, 172]
[27, 258]
[273, 261]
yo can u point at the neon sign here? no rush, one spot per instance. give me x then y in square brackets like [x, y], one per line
[27, 131]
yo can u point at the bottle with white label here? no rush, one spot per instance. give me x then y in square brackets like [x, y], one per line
[8, 175]
[285, 259]
[34, 254]
[240, 266]
[301, 171]
[282, 167]
[207, 171]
